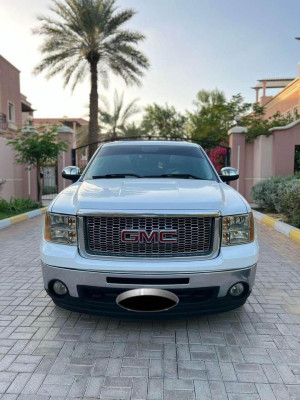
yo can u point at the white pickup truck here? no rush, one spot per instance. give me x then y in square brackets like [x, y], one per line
[149, 227]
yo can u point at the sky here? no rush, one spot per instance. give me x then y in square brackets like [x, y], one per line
[191, 45]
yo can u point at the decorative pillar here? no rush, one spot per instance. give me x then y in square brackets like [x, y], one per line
[64, 158]
[257, 94]
[237, 143]
[264, 88]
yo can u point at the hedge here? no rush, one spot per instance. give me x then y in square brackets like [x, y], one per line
[280, 194]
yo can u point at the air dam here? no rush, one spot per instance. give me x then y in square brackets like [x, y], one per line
[147, 300]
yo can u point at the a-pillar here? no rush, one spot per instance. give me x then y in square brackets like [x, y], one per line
[237, 143]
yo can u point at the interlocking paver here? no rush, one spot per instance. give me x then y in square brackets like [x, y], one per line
[47, 353]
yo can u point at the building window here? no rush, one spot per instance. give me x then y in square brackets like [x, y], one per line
[297, 159]
[11, 112]
[84, 154]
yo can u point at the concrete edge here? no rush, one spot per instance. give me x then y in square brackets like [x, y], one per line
[5, 223]
[281, 227]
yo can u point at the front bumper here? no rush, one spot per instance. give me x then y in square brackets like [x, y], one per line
[95, 292]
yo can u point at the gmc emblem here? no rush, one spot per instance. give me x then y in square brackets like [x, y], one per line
[131, 236]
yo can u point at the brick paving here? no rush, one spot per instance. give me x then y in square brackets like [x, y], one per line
[47, 353]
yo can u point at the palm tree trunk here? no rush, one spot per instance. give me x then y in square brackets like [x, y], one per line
[93, 125]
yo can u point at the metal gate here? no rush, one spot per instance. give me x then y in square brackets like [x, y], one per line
[50, 183]
[219, 155]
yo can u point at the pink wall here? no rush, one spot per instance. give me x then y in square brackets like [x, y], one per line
[29, 183]
[237, 145]
[11, 172]
[264, 157]
[64, 159]
[284, 148]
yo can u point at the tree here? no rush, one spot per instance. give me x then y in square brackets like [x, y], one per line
[214, 116]
[133, 130]
[89, 35]
[257, 124]
[82, 136]
[115, 119]
[37, 149]
[164, 121]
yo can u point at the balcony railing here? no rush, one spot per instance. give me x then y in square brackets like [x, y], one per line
[3, 122]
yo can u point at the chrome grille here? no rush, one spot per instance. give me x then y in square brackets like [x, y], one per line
[103, 235]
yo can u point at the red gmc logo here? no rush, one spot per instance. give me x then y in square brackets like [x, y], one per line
[165, 236]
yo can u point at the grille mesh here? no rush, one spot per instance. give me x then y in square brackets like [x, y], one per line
[103, 236]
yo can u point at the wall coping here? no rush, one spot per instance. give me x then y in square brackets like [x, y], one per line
[237, 129]
[283, 128]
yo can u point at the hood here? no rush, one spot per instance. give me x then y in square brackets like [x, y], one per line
[149, 194]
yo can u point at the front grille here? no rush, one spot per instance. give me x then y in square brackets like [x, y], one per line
[195, 236]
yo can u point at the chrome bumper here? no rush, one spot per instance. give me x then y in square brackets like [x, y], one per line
[222, 279]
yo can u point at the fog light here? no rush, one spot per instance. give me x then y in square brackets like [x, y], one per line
[59, 288]
[236, 290]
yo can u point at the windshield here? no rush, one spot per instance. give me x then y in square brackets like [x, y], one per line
[151, 161]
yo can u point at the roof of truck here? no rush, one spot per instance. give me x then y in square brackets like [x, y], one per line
[151, 142]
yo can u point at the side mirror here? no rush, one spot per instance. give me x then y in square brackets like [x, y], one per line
[229, 174]
[71, 173]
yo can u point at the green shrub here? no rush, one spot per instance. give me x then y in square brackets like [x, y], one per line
[281, 194]
[291, 203]
[17, 205]
[3, 205]
[265, 193]
[283, 186]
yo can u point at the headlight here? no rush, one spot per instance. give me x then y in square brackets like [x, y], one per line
[238, 229]
[61, 229]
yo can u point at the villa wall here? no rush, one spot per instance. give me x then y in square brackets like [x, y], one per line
[21, 182]
[11, 172]
[264, 157]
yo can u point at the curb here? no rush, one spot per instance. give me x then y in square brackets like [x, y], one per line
[281, 227]
[5, 223]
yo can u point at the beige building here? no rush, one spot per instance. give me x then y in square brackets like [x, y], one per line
[286, 101]
[14, 106]
[14, 112]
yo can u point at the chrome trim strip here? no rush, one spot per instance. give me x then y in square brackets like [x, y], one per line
[143, 274]
[215, 248]
[146, 213]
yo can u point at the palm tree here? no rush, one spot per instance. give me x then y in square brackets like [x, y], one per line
[207, 98]
[116, 119]
[88, 35]
[132, 130]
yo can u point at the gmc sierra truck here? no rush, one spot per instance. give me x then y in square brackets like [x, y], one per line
[149, 227]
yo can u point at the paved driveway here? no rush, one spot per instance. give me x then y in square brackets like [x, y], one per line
[48, 353]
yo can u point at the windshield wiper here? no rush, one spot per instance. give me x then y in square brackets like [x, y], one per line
[111, 176]
[183, 176]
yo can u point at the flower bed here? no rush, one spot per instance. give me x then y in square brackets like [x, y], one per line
[16, 206]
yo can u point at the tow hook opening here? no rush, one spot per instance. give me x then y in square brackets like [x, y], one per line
[147, 300]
